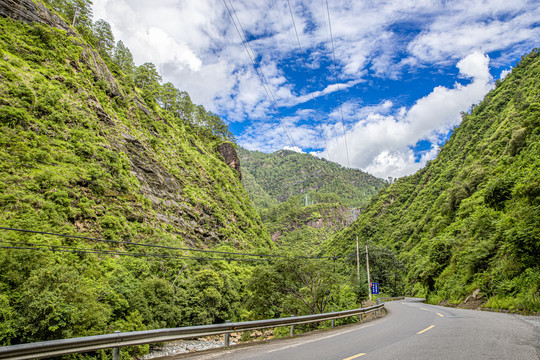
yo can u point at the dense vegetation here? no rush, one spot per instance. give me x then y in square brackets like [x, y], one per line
[296, 226]
[273, 178]
[303, 200]
[89, 152]
[93, 146]
[470, 219]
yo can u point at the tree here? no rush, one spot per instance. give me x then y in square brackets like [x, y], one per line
[167, 97]
[147, 77]
[76, 12]
[294, 286]
[185, 107]
[122, 57]
[104, 36]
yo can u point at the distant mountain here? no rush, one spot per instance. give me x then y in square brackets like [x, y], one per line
[303, 199]
[467, 226]
[270, 179]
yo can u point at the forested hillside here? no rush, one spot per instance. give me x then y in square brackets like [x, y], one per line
[270, 179]
[96, 147]
[467, 226]
[121, 201]
[302, 199]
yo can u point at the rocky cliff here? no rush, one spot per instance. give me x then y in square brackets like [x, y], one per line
[30, 12]
[129, 158]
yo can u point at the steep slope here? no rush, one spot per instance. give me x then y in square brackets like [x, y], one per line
[302, 199]
[298, 227]
[273, 178]
[73, 133]
[85, 152]
[468, 224]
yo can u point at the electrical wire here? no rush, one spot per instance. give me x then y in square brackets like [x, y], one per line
[339, 90]
[161, 246]
[307, 78]
[262, 78]
[54, 248]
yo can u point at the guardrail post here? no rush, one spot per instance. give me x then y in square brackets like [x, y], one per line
[333, 323]
[116, 350]
[118, 339]
[227, 336]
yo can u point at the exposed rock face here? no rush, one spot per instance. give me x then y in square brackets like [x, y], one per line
[100, 70]
[332, 218]
[192, 220]
[27, 11]
[165, 193]
[230, 155]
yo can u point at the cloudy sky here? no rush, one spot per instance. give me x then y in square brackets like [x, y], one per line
[370, 84]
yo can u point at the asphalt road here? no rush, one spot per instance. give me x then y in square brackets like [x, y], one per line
[411, 330]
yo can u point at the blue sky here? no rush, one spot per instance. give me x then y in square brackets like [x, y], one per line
[404, 70]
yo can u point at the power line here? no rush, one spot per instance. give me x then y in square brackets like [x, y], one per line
[262, 78]
[307, 76]
[151, 256]
[59, 248]
[160, 246]
[339, 90]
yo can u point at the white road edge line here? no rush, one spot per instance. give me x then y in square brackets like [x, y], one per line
[324, 338]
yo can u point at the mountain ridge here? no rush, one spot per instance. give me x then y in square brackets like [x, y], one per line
[303, 199]
[300, 173]
[467, 223]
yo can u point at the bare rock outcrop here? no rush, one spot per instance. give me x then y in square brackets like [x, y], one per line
[29, 12]
[230, 156]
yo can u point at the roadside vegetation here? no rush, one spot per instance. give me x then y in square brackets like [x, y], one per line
[94, 146]
[470, 219]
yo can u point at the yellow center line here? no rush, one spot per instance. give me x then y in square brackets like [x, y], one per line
[441, 315]
[424, 309]
[355, 356]
[431, 327]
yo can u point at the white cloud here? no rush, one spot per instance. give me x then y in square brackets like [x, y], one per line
[477, 28]
[294, 148]
[381, 144]
[195, 46]
[291, 100]
[505, 73]
[165, 49]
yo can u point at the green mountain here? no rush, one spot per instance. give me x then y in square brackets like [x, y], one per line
[84, 149]
[270, 179]
[302, 199]
[93, 148]
[467, 225]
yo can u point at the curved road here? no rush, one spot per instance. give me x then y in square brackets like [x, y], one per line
[411, 330]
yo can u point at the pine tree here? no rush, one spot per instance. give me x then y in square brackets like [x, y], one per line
[104, 36]
[123, 58]
[147, 76]
[76, 12]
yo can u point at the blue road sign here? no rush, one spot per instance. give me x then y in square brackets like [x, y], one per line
[375, 288]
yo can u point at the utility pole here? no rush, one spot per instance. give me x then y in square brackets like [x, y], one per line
[357, 260]
[368, 280]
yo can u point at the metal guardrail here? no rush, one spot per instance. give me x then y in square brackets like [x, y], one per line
[44, 349]
[381, 300]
